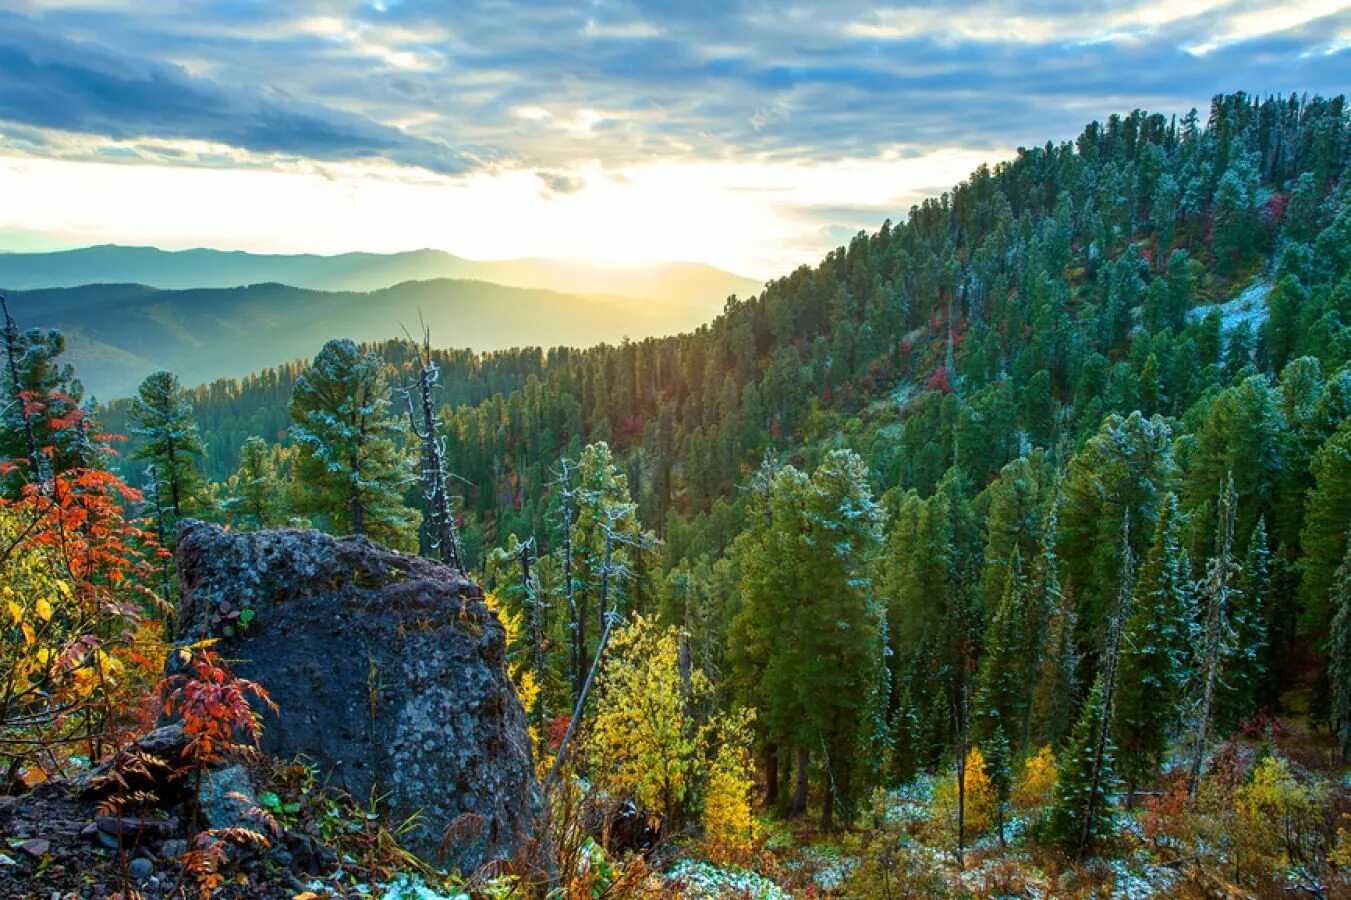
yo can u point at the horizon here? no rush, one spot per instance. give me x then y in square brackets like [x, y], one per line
[598, 134]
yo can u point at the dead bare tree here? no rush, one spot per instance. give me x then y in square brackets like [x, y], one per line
[567, 515]
[442, 535]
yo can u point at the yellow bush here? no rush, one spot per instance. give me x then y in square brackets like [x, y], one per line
[1276, 817]
[1035, 788]
[982, 801]
[729, 827]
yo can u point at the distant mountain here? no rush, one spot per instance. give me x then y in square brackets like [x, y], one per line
[688, 284]
[119, 333]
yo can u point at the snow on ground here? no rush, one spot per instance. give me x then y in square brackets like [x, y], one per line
[701, 880]
[1249, 306]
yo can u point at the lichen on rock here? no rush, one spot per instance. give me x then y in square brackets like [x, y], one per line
[388, 672]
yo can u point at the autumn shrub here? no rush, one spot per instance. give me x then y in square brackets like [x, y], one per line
[1277, 818]
[1034, 789]
[981, 799]
[728, 813]
[218, 719]
[82, 639]
[642, 743]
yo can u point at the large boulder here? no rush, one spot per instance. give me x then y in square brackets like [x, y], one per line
[388, 671]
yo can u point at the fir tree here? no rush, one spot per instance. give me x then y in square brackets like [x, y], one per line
[351, 473]
[1155, 653]
[1246, 663]
[1083, 812]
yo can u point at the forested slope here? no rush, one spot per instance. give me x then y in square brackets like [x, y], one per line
[1101, 395]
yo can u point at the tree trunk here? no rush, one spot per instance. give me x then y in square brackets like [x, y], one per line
[771, 775]
[173, 479]
[803, 761]
[828, 807]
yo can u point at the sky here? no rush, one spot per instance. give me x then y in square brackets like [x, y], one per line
[754, 136]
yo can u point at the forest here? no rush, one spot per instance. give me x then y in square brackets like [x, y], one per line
[1002, 553]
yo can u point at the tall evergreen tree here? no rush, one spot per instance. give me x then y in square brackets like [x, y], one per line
[1155, 653]
[350, 472]
[1339, 654]
[163, 416]
[1216, 635]
[1001, 695]
[1084, 811]
[1246, 663]
[257, 494]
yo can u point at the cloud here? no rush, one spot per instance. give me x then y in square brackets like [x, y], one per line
[549, 85]
[559, 183]
[56, 83]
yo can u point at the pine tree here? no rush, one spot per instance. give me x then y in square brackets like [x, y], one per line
[838, 634]
[999, 769]
[350, 472]
[163, 418]
[1155, 653]
[1339, 653]
[256, 490]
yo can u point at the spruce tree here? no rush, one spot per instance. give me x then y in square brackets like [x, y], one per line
[163, 416]
[1247, 661]
[351, 473]
[1084, 813]
[1155, 653]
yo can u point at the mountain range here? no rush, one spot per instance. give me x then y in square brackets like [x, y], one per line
[117, 334]
[667, 282]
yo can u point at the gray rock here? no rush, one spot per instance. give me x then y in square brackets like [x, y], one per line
[141, 869]
[36, 848]
[388, 670]
[226, 799]
[173, 848]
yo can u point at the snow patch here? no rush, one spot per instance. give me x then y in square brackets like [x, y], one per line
[1249, 306]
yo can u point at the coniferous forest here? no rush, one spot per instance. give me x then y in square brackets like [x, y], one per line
[1004, 552]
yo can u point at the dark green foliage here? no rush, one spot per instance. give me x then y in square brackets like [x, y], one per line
[350, 471]
[171, 444]
[1084, 812]
[1155, 653]
[1339, 652]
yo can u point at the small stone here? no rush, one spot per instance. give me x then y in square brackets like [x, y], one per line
[90, 832]
[172, 849]
[141, 869]
[36, 848]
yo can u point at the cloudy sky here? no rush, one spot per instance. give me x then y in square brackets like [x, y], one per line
[751, 135]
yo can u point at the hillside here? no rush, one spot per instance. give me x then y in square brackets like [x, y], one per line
[682, 284]
[1013, 536]
[119, 333]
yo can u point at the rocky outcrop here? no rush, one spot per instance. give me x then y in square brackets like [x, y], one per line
[388, 671]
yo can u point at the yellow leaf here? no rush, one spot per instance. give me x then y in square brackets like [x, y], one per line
[15, 612]
[44, 609]
[29, 637]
